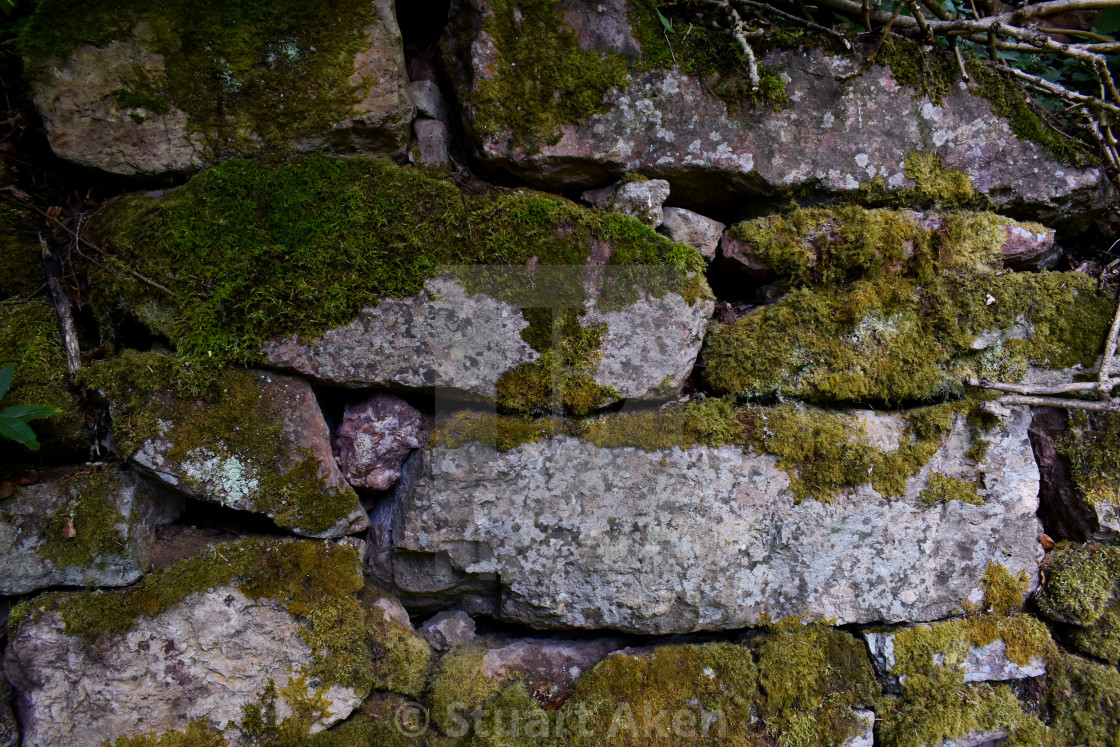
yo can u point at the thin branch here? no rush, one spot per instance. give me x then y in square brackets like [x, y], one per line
[1103, 380]
[1000, 386]
[769, 9]
[61, 307]
[863, 68]
[1069, 404]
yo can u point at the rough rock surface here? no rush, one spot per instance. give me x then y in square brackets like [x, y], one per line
[698, 231]
[448, 629]
[550, 663]
[202, 659]
[463, 344]
[433, 142]
[865, 738]
[984, 663]
[428, 99]
[642, 199]
[87, 123]
[832, 137]
[375, 438]
[33, 519]
[216, 474]
[667, 541]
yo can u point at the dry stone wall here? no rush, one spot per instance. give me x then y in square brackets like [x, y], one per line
[368, 450]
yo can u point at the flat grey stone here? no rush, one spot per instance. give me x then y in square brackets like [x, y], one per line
[448, 629]
[669, 541]
[701, 233]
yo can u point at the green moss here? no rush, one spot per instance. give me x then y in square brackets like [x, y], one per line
[943, 488]
[280, 69]
[306, 576]
[21, 264]
[29, 337]
[905, 339]
[1084, 703]
[930, 72]
[1003, 593]
[611, 702]
[401, 657]
[458, 685]
[937, 705]
[562, 379]
[1101, 640]
[258, 249]
[810, 678]
[222, 418]
[1080, 582]
[98, 528]
[934, 187]
[196, 734]
[1092, 447]
[1008, 99]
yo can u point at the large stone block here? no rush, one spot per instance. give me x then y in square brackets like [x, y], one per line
[671, 539]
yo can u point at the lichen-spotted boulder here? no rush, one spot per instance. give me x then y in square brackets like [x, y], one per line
[242, 626]
[91, 527]
[709, 516]
[148, 88]
[250, 440]
[676, 104]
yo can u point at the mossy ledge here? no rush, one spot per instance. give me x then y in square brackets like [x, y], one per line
[907, 339]
[224, 414]
[824, 452]
[259, 249]
[317, 582]
[95, 522]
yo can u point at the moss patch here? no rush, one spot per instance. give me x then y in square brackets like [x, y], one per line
[1092, 446]
[934, 187]
[1003, 593]
[232, 422]
[93, 519]
[317, 582]
[260, 249]
[400, 657]
[1084, 702]
[906, 339]
[1080, 582]
[714, 685]
[21, 264]
[1101, 640]
[943, 488]
[197, 734]
[29, 337]
[278, 69]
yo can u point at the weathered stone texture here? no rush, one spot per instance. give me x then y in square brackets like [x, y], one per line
[375, 438]
[213, 472]
[831, 137]
[201, 660]
[983, 664]
[578, 536]
[701, 233]
[29, 534]
[76, 94]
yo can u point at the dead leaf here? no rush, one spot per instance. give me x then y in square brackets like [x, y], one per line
[1047, 543]
[68, 531]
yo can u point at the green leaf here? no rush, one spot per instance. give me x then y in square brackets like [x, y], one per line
[1107, 21]
[664, 21]
[6, 378]
[28, 412]
[18, 431]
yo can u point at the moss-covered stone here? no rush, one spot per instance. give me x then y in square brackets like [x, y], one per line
[317, 582]
[21, 266]
[1101, 640]
[713, 685]
[936, 704]
[1084, 702]
[823, 451]
[256, 250]
[943, 488]
[401, 657]
[1003, 593]
[905, 339]
[458, 685]
[243, 72]
[232, 416]
[29, 337]
[89, 526]
[934, 187]
[1080, 582]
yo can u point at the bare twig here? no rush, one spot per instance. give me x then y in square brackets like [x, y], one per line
[770, 10]
[1104, 387]
[1068, 404]
[61, 307]
[1028, 389]
[863, 68]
